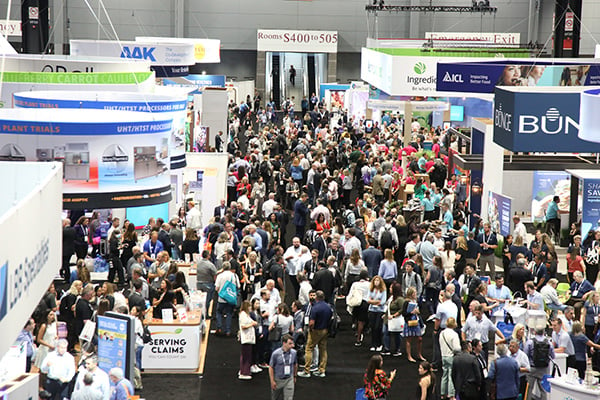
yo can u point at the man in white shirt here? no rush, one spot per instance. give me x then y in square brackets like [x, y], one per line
[101, 381]
[293, 257]
[352, 242]
[520, 229]
[193, 218]
[449, 344]
[521, 358]
[550, 296]
[59, 367]
[568, 318]
[562, 343]
[269, 205]
[320, 209]
[479, 326]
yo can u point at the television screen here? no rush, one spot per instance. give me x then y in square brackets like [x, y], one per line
[457, 113]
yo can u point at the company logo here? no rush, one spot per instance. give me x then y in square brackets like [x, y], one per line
[552, 123]
[457, 78]
[502, 119]
[62, 68]
[199, 51]
[420, 68]
[3, 290]
[139, 53]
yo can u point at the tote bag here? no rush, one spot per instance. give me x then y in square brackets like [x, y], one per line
[229, 293]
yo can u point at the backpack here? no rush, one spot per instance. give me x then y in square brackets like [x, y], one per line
[387, 241]
[265, 169]
[541, 353]
[146, 335]
[347, 220]
[334, 322]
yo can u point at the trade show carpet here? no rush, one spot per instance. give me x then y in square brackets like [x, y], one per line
[345, 370]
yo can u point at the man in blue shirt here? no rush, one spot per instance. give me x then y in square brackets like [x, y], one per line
[553, 218]
[580, 291]
[283, 368]
[447, 218]
[123, 389]
[505, 371]
[372, 258]
[151, 248]
[499, 293]
[540, 271]
[320, 315]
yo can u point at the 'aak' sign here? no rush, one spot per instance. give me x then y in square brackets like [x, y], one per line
[158, 54]
[539, 121]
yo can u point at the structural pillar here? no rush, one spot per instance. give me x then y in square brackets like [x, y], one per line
[567, 33]
[34, 24]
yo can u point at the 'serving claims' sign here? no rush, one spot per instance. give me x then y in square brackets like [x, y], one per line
[540, 121]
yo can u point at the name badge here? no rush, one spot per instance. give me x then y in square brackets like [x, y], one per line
[306, 320]
[287, 370]
[575, 293]
[311, 275]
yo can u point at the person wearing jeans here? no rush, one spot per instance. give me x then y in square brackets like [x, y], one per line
[205, 279]
[223, 307]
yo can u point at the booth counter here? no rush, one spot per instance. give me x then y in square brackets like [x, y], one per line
[562, 390]
[175, 346]
[21, 387]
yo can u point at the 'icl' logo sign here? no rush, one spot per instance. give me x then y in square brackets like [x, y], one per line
[140, 53]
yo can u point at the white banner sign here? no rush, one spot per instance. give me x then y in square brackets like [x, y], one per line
[206, 51]
[164, 54]
[59, 63]
[33, 197]
[297, 41]
[508, 39]
[172, 347]
[10, 27]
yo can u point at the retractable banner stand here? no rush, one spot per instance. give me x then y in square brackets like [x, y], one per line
[499, 213]
[111, 159]
[160, 105]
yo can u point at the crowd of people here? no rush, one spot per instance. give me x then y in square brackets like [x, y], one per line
[315, 213]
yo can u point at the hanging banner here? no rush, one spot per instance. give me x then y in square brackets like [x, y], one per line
[484, 76]
[546, 120]
[10, 27]
[111, 159]
[303, 41]
[60, 63]
[157, 53]
[499, 213]
[546, 185]
[205, 50]
[167, 106]
[590, 218]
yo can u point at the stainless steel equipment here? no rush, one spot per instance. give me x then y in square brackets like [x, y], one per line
[146, 163]
[12, 152]
[45, 154]
[115, 158]
[77, 162]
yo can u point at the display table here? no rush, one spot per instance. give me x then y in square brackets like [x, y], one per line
[562, 390]
[518, 314]
[21, 387]
[175, 347]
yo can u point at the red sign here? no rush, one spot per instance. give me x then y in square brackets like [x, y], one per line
[569, 19]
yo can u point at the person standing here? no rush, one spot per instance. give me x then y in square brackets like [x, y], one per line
[193, 219]
[553, 219]
[488, 242]
[225, 308]
[69, 236]
[205, 279]
[59, 367]
[300, 214]
[283, 369]
[377, 382]
[26, 335]
[320, 314]
[247, 340]
[466, 374]
[426, 386]
[122, 389]
[100, 380]
[292, 75]
[505, 372]
[449, 346]
[87, 392]
[535, 348]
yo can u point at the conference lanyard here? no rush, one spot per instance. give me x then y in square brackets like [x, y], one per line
[153, 250]
[287, 366]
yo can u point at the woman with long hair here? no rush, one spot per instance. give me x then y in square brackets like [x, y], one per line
[377, 299]
[322, 224]
[508, 241]
[82, 236]
[575, 263]
[590, 313]
[377, 382]
[190, 243]
[434, 283]
[580, 345]
[518, 334]
[275, 230]
[388, 269]
[394, 306]
[412, 330]
[247, 340]
[448, 256]
[83, 274]
[114, 260]
[461, 255]
[426, 387]
[354, 265]
[47, 337]
[138, 313]
[163, 299]
[130, 239]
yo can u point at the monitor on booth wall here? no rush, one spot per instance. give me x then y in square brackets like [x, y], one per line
[457, 113]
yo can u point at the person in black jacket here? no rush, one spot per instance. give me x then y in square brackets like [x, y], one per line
[300, 213]
[68, 240]
[324, 281]
[466, 374]
[114, 259]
